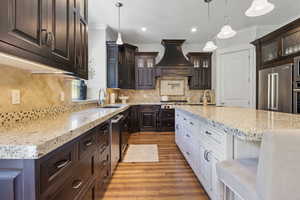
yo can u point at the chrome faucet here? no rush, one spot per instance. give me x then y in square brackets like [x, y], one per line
[102, 97]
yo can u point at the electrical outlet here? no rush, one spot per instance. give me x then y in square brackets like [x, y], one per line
[62, 96]
[15, 97]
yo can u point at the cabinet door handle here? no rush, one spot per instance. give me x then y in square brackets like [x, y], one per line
[191, 123]
[88, 143]
[187, 135]
[76, 184]
[184, 119]
[208, 133]
[188, 153]
[61, 164]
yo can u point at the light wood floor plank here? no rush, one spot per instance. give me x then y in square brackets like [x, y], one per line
[169, 179]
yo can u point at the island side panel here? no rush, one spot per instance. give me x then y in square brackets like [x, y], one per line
[18, 180]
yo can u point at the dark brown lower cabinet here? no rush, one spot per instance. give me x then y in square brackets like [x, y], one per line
[148, 116]
[151, 118]
[167, 120]
[73, 171]
[134, 125]
[89, 194]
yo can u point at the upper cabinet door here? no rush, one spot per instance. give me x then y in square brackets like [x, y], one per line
[21, 25]
[81, 49]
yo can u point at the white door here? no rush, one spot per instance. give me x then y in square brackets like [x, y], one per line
[235, 79]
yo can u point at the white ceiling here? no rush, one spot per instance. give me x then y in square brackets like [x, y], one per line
[173, 19]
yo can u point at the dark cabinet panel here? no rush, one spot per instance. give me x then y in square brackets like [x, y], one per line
[145, 70]
[58, 32]
[90, 194]
[201, 72]
[46, 32]
[166, 120]
[145, 78]
[148, 116]
[22, 25]
[134, 119]
[120, 65]
[81, 49]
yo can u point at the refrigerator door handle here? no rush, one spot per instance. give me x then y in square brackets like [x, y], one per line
[269, 90]
[276, 90]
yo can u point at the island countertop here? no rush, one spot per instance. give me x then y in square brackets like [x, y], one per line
[244, 123]
[36, 139]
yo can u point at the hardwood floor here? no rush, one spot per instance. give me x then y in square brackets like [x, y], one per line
[169, 179]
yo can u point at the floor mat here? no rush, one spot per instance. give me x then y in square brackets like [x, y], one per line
[141, 153]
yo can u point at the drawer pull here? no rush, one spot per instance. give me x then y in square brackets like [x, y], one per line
[188, 153]
[191, 123]
[187, 135]
[88, 143]
[208, 133]
[184, 119]
[61, 164]
[76, 184]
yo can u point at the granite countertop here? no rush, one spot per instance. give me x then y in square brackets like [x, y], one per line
[36, 139]
[244, 123]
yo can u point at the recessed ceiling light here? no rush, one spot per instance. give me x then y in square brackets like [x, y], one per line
[144, 29]
[193, 30]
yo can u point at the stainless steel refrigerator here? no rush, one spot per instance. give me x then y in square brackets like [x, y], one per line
[276, 89]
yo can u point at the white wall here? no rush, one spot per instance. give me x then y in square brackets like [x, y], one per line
[97, 58]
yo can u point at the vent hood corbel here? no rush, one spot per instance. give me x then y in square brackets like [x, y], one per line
[174, 62]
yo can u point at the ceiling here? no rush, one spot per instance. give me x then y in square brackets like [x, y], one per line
[173, 19]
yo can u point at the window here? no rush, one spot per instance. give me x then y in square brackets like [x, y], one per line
[79, 90]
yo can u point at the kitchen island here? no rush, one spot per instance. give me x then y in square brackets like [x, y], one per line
[209, 134]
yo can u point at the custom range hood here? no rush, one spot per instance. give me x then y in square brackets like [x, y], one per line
[174, 62]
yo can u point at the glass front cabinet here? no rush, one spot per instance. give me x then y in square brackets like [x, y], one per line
[201, 76]
[278, 47]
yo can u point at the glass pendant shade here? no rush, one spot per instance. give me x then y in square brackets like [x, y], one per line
[119, 40]
[210, 46]
[226, 32]
[259, 8]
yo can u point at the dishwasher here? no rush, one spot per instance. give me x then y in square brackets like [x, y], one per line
[116, 123]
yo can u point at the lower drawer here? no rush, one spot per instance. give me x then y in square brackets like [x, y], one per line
[81, 177]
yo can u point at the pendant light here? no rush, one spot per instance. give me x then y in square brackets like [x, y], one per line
[210, 45]
[226, 31]
[259, 8]
[119, 40]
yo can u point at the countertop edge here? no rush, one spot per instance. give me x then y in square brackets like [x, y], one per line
[245, 136]
[40, 150]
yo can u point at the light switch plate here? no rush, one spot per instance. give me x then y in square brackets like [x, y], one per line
[15, 97]
[62, 96]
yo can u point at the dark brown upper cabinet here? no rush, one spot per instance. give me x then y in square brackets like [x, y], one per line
[145, 70]
[23, 25]
[201, 72]
[47, 32]
[278, 47]
[120, 65]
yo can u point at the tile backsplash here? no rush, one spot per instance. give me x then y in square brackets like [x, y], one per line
[37, 90]
[153, 96]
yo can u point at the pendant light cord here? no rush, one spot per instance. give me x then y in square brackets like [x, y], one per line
[226, 17]
[119, 13]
